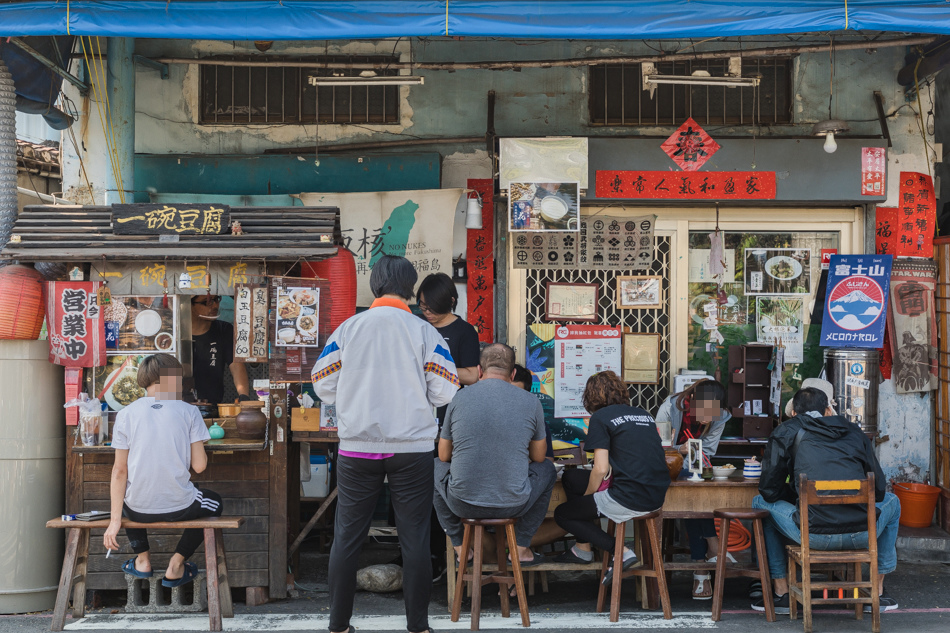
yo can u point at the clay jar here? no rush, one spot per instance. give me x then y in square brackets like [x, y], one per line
[674, 462]
[251, 422]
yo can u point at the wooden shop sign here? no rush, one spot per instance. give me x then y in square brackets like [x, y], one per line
[163, 219]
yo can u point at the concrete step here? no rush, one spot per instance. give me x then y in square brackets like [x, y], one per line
[928, 545]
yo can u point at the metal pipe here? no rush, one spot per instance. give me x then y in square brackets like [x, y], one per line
[29, 50]
[42, 196]
[559, 63]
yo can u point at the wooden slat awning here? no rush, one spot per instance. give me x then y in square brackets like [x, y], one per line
[77, 233]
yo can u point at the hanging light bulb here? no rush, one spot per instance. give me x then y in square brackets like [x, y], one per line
[473, 214]
[830, 146]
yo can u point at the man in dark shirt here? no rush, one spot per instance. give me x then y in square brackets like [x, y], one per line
[213, 352]
[826, 447]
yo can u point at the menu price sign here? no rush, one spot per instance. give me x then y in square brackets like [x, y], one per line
[856, 301]
[250, 324]
[298, 317]
[615, 242]
[580, 351]
[76, 335]
[163, 219]
[917, 216]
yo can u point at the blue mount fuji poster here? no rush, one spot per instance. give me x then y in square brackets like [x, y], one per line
[856, 301]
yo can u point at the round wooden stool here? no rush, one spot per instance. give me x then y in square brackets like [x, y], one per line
[501, 576]
[655, 552]
[724, 569]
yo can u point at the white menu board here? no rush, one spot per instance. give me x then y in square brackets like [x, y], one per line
[250, 324]
[581, 351]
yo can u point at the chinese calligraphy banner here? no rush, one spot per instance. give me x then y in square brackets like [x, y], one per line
[143, 278]
[668, 185]
[913, 325]
[250, 324]
[873, 164]
[554, 250]
[417, 225]
[886, 234]
[163, 219]
[856, 301]
[917, 216]
[74, 323]
[614, 242]
[481, 265]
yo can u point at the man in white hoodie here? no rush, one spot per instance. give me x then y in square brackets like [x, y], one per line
[385, 369]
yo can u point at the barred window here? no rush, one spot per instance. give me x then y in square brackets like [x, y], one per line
[617, 96]
[236, 94]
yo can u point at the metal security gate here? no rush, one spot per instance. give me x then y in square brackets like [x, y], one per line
[648, 397]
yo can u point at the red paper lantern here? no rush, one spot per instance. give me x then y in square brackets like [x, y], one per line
[21, 303]
[340, 270]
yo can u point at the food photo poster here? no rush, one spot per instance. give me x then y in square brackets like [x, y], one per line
[298, 322]
[544, 206]
[777, 271]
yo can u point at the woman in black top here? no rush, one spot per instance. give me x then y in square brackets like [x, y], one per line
[627, 449]
[437, 300]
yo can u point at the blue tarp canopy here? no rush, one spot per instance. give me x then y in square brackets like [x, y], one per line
[563, 19]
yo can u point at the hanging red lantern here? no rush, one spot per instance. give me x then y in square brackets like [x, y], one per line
[340, 270]
[21, 303]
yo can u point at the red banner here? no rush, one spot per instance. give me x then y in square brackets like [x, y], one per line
[670, 185]
[872, 171]
[74, 322]
[887, 234]
[917, 216]
[480, 256]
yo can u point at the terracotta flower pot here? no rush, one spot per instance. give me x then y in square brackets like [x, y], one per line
[251, 422]
[674, 462]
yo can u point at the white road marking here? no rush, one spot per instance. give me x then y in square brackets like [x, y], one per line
[305, 622]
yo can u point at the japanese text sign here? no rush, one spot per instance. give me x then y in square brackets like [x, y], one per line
[873, 163]
[856, 302]
[481, 266]
[667, 185]
[917, 215]
[162, 219]
[690, 146]
[250, 324]
[886, 233]
[76, 336]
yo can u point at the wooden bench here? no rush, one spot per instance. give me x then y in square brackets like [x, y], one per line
[73, 576]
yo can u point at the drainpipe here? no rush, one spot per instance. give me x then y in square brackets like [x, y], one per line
[121, 88]
[8, 199]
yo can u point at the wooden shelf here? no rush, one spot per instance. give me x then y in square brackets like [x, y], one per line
[213, 446]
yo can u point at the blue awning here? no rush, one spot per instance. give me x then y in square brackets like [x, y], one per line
[552, 19]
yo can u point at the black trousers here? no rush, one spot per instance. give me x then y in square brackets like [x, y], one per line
[578, 515]
[359, 482]
[207, 504]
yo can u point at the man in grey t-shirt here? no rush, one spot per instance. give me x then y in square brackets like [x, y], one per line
[492, 455]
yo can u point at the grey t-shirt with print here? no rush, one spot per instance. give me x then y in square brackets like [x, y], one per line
[158, 435]
[491, 425]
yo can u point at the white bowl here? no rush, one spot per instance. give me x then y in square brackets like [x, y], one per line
[722, 473]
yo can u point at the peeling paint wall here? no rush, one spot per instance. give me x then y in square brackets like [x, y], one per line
[529, 102]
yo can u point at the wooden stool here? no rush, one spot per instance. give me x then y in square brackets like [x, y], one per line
[502, 577]
[73, 576]
[656, 571]
[724, 569]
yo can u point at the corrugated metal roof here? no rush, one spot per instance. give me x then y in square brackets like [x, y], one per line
[77, 233]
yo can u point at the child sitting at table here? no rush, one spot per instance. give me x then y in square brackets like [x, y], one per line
[157, 439]
[626, 449]
[697, 413]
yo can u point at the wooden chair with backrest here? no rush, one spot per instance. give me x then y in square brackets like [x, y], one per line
[852, 590]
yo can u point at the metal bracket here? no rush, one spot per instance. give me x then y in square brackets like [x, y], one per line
[881, 117]
[29, 50]
[151, 63]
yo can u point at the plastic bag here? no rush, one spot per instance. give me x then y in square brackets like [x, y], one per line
[90, 418]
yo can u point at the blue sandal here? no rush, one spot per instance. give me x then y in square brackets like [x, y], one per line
[191, 571]
[129, 568]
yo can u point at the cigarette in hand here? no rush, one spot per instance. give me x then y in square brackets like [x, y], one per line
[108, 553]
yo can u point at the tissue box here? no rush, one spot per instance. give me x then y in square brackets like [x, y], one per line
[305, 419]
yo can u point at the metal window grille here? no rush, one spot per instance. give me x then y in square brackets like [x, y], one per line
[617, 96]
[235, 94]
[648, 397]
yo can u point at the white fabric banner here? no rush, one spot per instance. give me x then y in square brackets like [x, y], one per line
[414, 224]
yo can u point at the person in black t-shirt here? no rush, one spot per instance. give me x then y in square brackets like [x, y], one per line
[213, 352]
[437, 300]
[628, 452]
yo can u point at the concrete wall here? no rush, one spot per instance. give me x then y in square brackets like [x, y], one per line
[530, 102]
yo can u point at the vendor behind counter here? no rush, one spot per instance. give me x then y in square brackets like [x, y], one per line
[213, 352]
